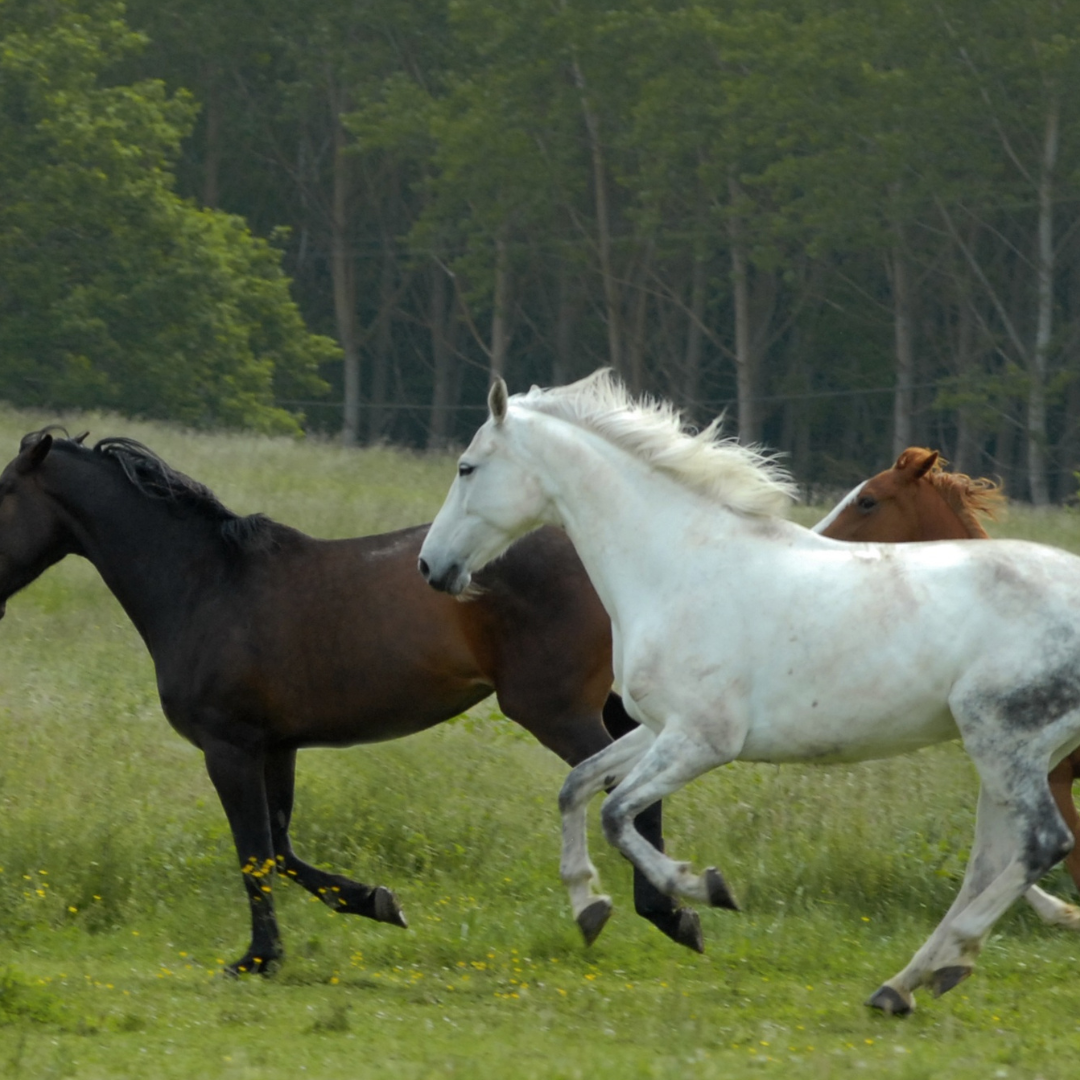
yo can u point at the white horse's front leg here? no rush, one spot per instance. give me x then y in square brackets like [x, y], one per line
[602, 770]
[674, 759]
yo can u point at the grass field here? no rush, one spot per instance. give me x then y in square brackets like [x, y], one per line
[120, 898]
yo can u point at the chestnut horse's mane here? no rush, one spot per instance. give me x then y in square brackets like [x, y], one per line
[970, 499]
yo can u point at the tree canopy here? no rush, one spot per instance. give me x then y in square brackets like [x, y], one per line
[115, 291]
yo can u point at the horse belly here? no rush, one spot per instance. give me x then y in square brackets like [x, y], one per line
[809, 719]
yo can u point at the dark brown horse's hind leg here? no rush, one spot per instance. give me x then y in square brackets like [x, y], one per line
[237, 774]
[338, 893]
[1061, 782]
[681, 924]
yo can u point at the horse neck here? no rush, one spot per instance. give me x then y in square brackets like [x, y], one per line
[151, 558]
[616, 509]
[939, 519]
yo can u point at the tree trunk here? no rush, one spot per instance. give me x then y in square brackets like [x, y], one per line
[1044, 317]
[383, 346]
[695, 337]
[968, 456]
[562, 367]
[443, 397]
[1068, 455]
[745, 375]
[612, 298]
[795, 428]
[500, 333]
[343, 275]
[635, 352]
[903, 336]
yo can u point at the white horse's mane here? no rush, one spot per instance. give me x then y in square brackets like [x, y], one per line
[742, 478]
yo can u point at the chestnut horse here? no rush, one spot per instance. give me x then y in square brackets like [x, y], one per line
[265, 640]
[917, 499]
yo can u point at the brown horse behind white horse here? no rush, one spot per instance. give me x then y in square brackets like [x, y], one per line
[917, 499]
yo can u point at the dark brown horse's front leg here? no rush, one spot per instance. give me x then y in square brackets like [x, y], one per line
[237, 774]
[339, 893]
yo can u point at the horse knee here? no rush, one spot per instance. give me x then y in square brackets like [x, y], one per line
[568, 794]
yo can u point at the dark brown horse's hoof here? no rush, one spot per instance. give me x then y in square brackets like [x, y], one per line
[717, 891]
[889, 1002]
[687, 930]
[254, 965]
[387, 908]
[946, 978]
[593, 918]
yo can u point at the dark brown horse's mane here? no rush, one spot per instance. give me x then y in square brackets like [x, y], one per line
[153, 477]
[970, 499]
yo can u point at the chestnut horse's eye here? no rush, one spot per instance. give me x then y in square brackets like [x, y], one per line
[867, 503]
[464, 469]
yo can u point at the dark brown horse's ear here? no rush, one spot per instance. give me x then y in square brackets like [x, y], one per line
[34, 454]
[497, 400]
[79, 438]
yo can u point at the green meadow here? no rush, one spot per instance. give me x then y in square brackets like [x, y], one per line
[120, 898]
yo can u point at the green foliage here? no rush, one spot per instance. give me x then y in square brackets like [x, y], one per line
[115, 292]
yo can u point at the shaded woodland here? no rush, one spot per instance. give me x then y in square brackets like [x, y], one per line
[850, 223]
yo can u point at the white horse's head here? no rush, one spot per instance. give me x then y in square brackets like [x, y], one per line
[494, 499]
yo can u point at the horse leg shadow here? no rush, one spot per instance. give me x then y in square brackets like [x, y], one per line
[337, 892]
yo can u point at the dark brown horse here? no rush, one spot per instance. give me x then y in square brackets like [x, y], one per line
[265, 640]
[917, 499]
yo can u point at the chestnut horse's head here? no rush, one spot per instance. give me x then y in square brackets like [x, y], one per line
[914, 500]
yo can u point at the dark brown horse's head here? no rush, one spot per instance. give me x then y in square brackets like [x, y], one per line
[915, 500]
[32, 533]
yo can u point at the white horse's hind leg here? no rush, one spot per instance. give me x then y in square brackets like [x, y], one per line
[673, 760]
[602, 770]
[1051, 910]
[1018, 837]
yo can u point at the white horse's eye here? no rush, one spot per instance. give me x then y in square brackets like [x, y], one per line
[464, 469]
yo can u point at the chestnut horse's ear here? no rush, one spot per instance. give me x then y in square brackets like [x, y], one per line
[497, 400]
[916, 461]
[34, 454]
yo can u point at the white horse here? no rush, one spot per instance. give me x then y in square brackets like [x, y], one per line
[739, 635]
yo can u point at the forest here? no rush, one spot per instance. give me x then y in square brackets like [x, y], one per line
[850, 224]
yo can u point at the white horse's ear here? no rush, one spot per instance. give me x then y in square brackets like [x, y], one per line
[497, 400]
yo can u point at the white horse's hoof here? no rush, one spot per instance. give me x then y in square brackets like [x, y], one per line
[717, 891]
[891, 1002]
[946, 978]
